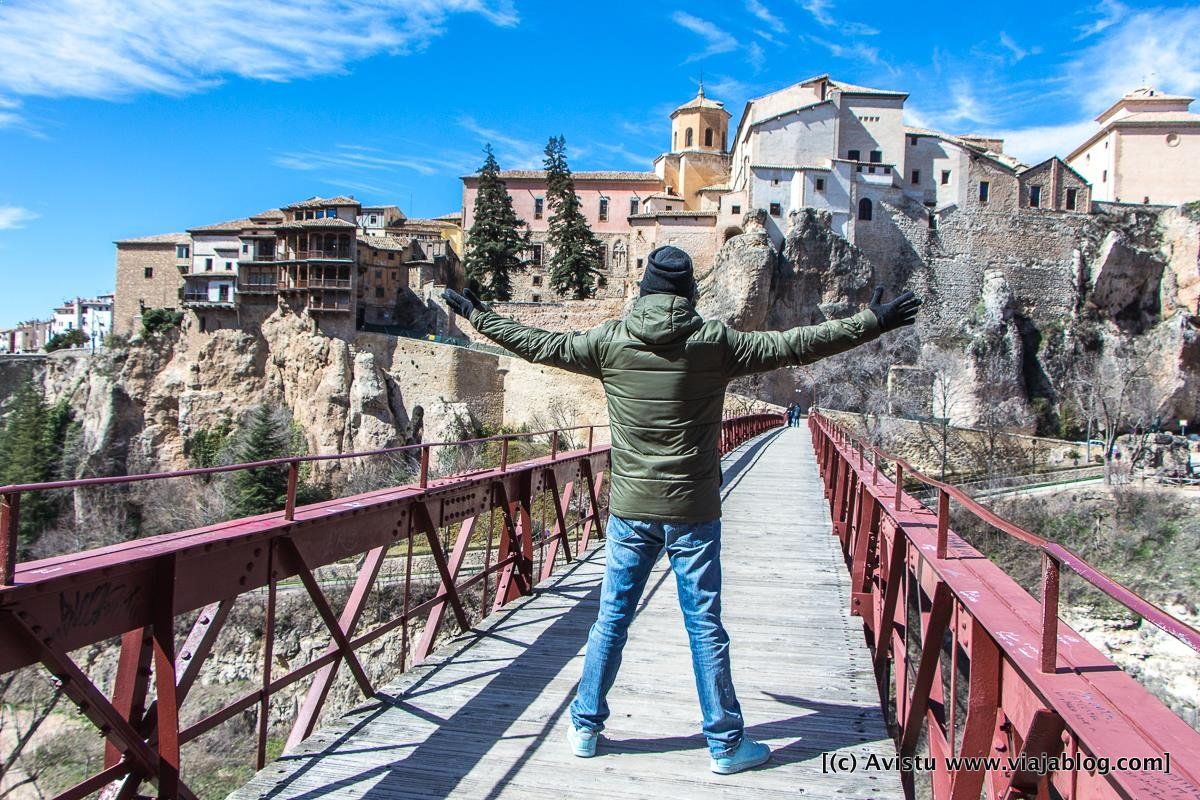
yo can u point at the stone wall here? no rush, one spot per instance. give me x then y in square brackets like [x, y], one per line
[134, 289]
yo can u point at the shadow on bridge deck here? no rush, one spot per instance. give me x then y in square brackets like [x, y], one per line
[485, 716]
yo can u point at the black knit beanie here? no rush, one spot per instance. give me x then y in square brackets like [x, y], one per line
[668, 271]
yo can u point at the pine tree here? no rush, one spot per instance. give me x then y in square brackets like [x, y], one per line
[260, 489]
[495, 243]
[31, 446]
[574, 249]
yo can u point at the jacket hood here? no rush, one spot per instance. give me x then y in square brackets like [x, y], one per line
[662, 319]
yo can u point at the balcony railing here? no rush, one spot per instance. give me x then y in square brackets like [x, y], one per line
[329, 283]
[333, 253]
[258, 288]
[202, 298]
[329, 304]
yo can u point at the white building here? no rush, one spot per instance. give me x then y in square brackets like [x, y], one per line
[93, 316]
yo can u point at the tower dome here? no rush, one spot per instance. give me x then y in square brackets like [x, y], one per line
[700, 124]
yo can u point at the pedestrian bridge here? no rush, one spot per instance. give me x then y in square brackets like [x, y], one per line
[862, 629]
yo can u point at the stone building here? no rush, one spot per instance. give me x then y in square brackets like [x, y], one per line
[1054, 186]
[150, 274]
[1146, 150]
[26, 337]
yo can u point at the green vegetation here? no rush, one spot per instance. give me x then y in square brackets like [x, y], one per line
[35, 447]
[160, 320]
[205, 447]
[266, 436]
[72, 338]
[574, 249]
[494, 243]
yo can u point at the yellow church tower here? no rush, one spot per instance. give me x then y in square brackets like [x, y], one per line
[696, 169]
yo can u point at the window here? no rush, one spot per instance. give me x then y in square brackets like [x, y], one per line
[984, 191]
[1146, 199]
[735, 209]
[639, 263]
[373, 220]
[1035, 196]
[945, 177]
[1072, 199]
[228, 266]
[535, 256]
[182, 251]
[148, 272]
[876, 157]
[912, 140]
[853, 155]
[775, 181]
[391, 256]
[1104, 176]
[379, 291]
[538, 207]
[603, 209]
[916, 176]
[208, 265]
[670, 208]
[864, 209]
[633, 206]
[537, 298]
[537, 280]
[378, 274]
[245, 247]
[776, 210]
[708, 137]
[687, 138]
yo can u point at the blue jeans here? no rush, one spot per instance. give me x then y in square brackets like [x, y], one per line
[631, 549]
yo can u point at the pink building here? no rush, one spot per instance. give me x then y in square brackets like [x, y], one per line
[607, 199]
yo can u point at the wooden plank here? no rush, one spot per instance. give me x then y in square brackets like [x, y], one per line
[486, 715]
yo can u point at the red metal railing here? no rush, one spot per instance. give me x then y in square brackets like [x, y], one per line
[937, 613]
[136, 590]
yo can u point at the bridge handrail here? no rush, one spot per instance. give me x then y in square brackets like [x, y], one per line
[1042, 708]
[137, 590]
[1055, 554]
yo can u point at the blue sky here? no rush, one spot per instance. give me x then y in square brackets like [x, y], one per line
[123, 118]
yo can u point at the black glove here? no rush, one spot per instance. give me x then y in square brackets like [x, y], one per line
[896, 314]
[463, 304]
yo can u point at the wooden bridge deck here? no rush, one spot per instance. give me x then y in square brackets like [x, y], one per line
[485, 717]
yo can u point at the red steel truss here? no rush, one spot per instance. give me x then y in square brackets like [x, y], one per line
[970, 664]
[137, 589]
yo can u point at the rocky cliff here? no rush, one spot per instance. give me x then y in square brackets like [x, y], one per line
[1023, 311]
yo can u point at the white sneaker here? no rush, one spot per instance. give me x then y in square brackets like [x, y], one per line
[583, 742]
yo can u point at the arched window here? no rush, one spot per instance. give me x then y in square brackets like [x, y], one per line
[708, 137]
[864, 209]
[618, 254]
[687, 138]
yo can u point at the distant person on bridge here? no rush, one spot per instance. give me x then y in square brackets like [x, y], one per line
[665, 371]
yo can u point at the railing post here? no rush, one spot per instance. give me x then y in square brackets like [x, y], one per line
[504, 454]
[289, 508]
[898, 500]
[10, 526]
[1050, 577]
[554, 446]
[591, 435]
[424, 466]
[943, 522]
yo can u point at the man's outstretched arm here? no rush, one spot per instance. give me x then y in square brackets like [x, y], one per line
[760, 351]
[576, 352]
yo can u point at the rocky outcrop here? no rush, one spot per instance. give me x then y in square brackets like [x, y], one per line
[738, 287]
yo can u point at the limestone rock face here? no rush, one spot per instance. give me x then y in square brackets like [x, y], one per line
[737, 290]
[823, 276]
[1126, 282]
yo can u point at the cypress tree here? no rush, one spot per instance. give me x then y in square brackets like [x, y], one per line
[261, 489]
[495, 243]
[574, 249]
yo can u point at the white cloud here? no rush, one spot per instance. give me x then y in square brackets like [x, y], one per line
[1018, 52]
[756, 56]
[1035, 144]
[511, 152]
[110, 49]
[759, 10]
[717, 39]
[1155, 47]
[821, 11]
[857, 51]
[1111, 12]
[359, 157]
[14, 217]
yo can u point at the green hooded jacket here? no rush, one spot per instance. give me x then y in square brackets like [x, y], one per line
[664, 371]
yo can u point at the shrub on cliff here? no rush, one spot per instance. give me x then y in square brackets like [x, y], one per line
[268, 434]
[160, 320]
[72, 338]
